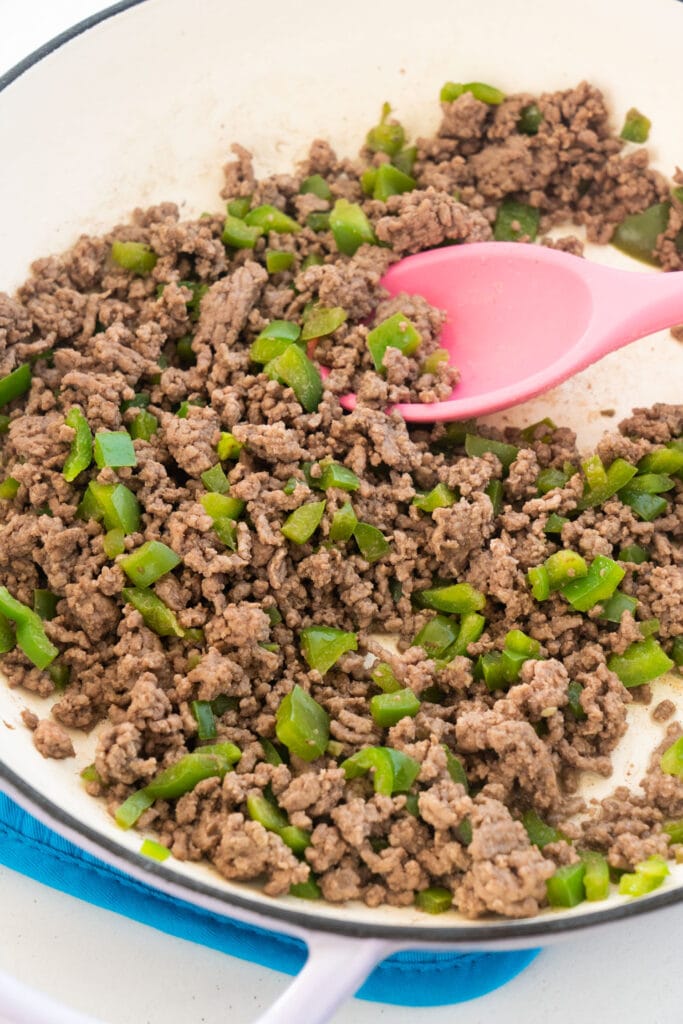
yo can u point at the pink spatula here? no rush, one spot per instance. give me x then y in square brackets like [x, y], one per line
[523, 318]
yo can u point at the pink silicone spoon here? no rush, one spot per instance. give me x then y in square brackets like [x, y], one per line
[523, 318]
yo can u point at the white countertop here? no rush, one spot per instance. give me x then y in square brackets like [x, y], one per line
[125, 973]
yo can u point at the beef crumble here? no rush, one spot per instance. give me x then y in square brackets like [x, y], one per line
[175, 342]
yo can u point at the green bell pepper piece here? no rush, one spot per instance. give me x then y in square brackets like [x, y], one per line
[455, 768]
[434, 900]
[171, 783]
[302, 725]
[320, 321]
[437, 636]
[389, 708]
[390, 181]
[301, 524]
[156, 615]
[45, 604]
[456, 599]
[530, 119]
[563, 567]
[664, 460]
[540, 834]
[539, 581]
[515, 220]
[228, 446]
[637, 234]
[574, 691]
[350, 227]
[144, 426]
[341, 477]
[603, 577]
[114, 449]
[240, 235]
[636, 127]
[239, 207]
[278, 261]
[273, 340]
[476, 446]
[9, 488]
[384, 137]
[396, 331]
[269, 218]
[134, 256]
[30, 634]
[222, 506]
[215, 480]
[309, 890]
[155, 851]
[646, 506]
[549, 479]
[641, 662]
[394, 772]
[315, 185]
[204, 717]
[297, 371]
[149, 563]
[471, 627]
[555, 523]
[322, 646]
[15, 384]
[602, 483]
[634, 553]
[344, 522]
[566, 888]
[440, 496]
[383, 676]
[371, 542]
[596, 878]
[618, 603]
[80, 456]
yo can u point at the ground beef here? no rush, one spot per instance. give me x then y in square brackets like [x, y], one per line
[226, 646]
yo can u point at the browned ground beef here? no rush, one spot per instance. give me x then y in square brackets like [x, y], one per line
[98, 335]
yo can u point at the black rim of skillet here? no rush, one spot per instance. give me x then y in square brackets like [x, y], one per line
[534, 930]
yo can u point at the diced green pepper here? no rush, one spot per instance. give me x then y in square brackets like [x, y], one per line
[437, 636]
[435, 900]
[384, 137]
[596, 878]
[495, 492]
[565, 566]
[671, 761]
[240, 235]
[7, 640]
[45, 604]
[492, 670]
[206, 723]
[677, 651]
[113, 543]
[603, 577]
[515, 220]
[602, 484]
[390, 181]
[457, 599]
[30, 633]
[322, 646]
[301, 524]
[269, 218]
[638, 233]
[350, 227]
[266, 813]
[149, 563]
[228, 446]
[80, 456]
[15, 384]
[646, 506]
[540, 834]
[555, 523]
[114, 449]
[134, 256]
[297, 371]
[394, 772]
[140, 401]
[341, 477]
[674, 829]
[471, 627]
[651, 483]
[641, 662]
[648, 876]
[344, 522]
[318, 220]
[226, 531]
[239, 207]
[9, 488]
[144, 426]
[565, 888]
[172, 782]
[320, 321]
[476, 446]
[440, 496]
[215, 480]
[455, 768]
[222, 506]
[155, 851]
[636, 127]
[132, 808]
[302, 725]
[405, 159]
[278, 261]
[156, 615]
[548, 479]
[539, 581]
[480, 90]
[634, 553]
[315, 185]
[371, 542]
[530, 119]
[309, 890]
[618, 603]
[383, 676]
[273, 340]
[664, 460]
[389, 708]
[434, 360]
[395, 332]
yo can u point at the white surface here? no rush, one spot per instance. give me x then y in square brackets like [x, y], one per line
[104, 964]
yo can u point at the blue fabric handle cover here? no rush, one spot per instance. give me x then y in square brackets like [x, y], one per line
[405, 979]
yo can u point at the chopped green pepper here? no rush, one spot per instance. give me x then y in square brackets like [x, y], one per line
[395, 332]
[596, 878]
[226, 531]
[302, 725]
[674, 829]
[471, 627]
[206, 723]
[144, 426]
[638, 233]
[530, 119]
[618, 603]
[371, 542]
[603, 577]
[172, 782]
[322, 646]
[405, 159]
[7, 640]
[648, 876]
[301, 524]
[271, 755]
[540, 834]
[341, 477]
[549, 479]
[434, 359]
[677, 651]
[239, 207]
[636, 127]
[671, 761]
[273, 340]
[555, 523]
[308, 890]
[389, 708]
[434, 900]
[455, 768]
[457, 599]
[297, 371]
[385, 137]
[113, 543]
[15, 384]
[344, 522]
[480, 90]
[383, 676]
[80, 456]
[315, 185]
[9, 488]
[155, 851]
[651, 483]
[240, 235]
[495, 493]
[641, 662]
[45, 604]
[350, 227]
[114, 448]
[318, 220]
[228, 446]
[30, 634]
[215, 480]
[394, 771]
[440, 496]
[515, 220]
[565, 888]
[156, 615]
[278, 261]
[565, 566]
[665, 460]
[646, 506]
[390, 181]
[437, 636]
[149, 563]
[539, 581]
[269, 218]
[476, 446]
[320, 321]
[634, 553]
[134, 256]
[222, 506]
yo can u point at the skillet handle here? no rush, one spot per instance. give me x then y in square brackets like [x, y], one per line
[336, 967]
